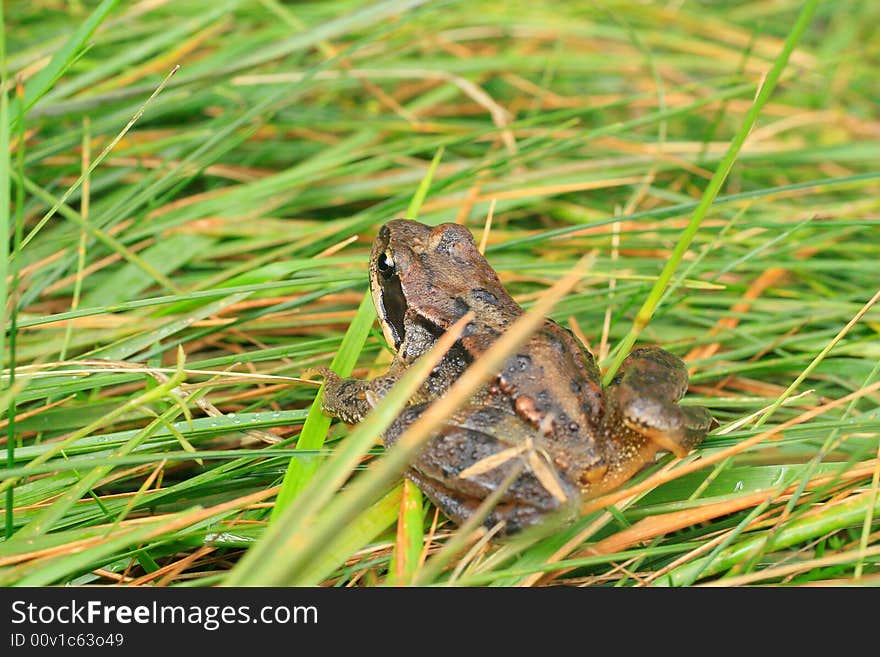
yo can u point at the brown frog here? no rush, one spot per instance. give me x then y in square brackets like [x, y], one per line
[544, 414]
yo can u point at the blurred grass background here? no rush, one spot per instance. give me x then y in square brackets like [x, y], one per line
[182, 248]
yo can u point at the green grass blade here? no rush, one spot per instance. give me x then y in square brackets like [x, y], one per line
[130, 346]
[415, 205]
[222, 222]
[355, 536]
[61, 60]
[94, 230]
[408, 548]
[45, 521]
[5, 224]
[300, 471]
[410, 535]
[768, 85]
[258, 565]
[845, 514]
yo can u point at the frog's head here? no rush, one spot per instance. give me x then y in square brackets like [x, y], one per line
[429, 274]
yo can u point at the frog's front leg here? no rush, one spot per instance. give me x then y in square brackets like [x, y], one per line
[351, 399]
[646, 392]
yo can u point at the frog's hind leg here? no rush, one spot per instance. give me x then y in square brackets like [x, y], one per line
[459, 507]
[646, 392]
[476, 454]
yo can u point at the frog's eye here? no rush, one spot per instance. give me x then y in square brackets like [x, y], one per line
[386, 265]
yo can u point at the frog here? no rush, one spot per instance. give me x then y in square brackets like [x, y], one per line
[543, 434]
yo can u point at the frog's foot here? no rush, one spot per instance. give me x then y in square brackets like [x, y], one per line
[348, 399]
[318, 370]
[459, 507]
[646, 391]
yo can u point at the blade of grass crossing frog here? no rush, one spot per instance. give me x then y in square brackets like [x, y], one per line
[465, 534]
[766, 89]
[365, 528]
[301, 541]
[293, 526]
[410, 534]
[317, 423]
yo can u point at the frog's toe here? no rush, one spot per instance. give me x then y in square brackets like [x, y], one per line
[678, 429]
[347, 399]
[319, 370]
[698, 420]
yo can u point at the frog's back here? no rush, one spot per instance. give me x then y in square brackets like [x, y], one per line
[554, 384]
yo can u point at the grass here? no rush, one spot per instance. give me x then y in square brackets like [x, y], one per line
[185, 244]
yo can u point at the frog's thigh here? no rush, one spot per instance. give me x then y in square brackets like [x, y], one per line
[464, 446]
[646, 390]
[458, 507]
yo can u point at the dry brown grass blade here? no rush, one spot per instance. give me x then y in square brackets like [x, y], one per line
[795, 568]
[527, 192]
[467, 205]
[487, 227]
[162, 524]
[168, 572]
[492, 461]
[659, 525]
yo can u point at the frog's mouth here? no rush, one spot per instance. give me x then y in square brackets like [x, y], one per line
[394, 308]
